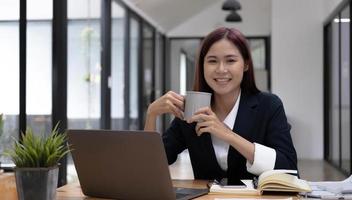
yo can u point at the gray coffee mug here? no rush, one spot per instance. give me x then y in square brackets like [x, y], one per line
[194, 101]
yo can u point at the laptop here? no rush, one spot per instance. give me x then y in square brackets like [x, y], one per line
[124, 165]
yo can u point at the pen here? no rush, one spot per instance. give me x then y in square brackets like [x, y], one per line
[255, 182]
[210, 183]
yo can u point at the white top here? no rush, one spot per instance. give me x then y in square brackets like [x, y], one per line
[264, 157]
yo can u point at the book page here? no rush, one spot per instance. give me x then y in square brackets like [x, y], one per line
[276, 171]
[282, 182]
[286, 181]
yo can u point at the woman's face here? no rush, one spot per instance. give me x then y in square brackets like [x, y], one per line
[223, 67]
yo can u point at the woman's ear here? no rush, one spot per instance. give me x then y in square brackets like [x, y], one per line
[246, 66]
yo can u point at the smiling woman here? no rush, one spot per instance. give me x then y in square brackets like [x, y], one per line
[223, 68]
[243, 133]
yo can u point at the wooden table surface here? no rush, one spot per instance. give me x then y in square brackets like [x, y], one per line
[73, 192]
[8, 186]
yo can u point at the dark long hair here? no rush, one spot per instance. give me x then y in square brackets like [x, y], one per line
[236, 37]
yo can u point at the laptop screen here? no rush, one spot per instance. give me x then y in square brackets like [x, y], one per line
[121, 164]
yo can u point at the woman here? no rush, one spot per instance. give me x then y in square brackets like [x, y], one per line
[244, 133]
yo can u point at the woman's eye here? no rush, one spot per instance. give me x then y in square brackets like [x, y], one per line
[211, 61]
[231, 61]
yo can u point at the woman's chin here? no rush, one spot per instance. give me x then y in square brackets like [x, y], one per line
[224, 92]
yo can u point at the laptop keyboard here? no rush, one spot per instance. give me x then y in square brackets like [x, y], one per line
[180, 195]
[181, 192]
[188, 193]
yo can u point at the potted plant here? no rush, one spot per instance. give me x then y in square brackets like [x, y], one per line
[37, 158]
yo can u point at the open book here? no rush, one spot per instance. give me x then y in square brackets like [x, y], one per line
[273, 180]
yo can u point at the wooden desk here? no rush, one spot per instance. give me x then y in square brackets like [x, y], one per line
[73, 191]
[8, 186]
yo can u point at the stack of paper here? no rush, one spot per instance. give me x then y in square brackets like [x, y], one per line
[331, 189]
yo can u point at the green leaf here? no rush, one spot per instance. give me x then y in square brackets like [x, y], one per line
[36, 150]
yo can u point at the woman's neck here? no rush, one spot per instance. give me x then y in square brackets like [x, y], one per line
[223, 104]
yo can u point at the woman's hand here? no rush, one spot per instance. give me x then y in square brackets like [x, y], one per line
[207, 121]
[170, 102]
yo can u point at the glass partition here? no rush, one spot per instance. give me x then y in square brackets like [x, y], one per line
[335, 95]
[39, 65]
[337, 89]
[148, 68]
[83, 69]
[118, 66]
[159, 73]
[83, 64]
[9, 74]
[134, 74]
[345, 90]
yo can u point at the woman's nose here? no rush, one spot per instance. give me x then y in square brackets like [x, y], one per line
[221, 68]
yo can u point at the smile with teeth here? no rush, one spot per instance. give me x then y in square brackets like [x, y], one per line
[222, 80]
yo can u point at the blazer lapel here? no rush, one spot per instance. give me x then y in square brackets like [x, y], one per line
[243, 125]
[245, 121]
[209, 148]
[246, 116]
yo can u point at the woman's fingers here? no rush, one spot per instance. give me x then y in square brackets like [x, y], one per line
[175, 99]
[199, 118]
[203, 124]
[203, 114]
[178, 103]
[173, 109]
[170, 102]
[207, 110]
[177, 96]
[202, 129]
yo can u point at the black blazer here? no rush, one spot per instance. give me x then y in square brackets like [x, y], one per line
[261, 118]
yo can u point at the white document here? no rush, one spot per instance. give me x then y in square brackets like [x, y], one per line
[331, 189]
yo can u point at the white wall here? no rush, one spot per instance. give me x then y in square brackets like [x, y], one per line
[256, 19]
[329, 6]
[297, 69]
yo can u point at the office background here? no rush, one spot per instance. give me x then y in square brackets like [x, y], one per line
[99, 63]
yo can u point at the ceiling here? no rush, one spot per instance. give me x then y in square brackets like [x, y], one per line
[171, 13]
